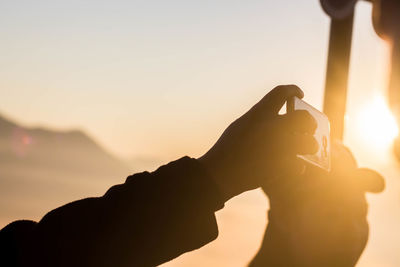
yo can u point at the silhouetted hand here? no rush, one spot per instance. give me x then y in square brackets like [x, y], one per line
[261, 144]
[319, 219]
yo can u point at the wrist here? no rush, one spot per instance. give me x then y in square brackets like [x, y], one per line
[219, 172]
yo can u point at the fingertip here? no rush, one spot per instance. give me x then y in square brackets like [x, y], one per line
[314, 145]
[291, 90]
[310, 124]
[287, 91]
[276, 98]
[300, 121]
[296, 90]
[370, 180]
[303, 144]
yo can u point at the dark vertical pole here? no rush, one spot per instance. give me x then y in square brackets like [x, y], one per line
[394, 88]
[337, 73]
[394, 83]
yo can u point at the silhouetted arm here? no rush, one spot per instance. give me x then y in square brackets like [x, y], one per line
[155, 217]
[150, 219]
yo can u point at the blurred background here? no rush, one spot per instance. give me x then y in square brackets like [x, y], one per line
[92, 91]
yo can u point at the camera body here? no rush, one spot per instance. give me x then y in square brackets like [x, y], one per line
[322, 158]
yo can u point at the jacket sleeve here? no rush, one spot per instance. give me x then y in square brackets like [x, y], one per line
[150, 219]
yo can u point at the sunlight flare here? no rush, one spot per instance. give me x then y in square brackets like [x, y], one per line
[376, 123]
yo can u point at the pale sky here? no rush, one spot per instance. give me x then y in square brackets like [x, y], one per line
[160, 78]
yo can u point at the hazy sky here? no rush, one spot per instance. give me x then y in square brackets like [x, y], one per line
[162, 78]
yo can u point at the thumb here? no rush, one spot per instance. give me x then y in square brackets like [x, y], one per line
[370, 180]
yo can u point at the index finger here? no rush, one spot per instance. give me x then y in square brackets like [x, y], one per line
[275, 99]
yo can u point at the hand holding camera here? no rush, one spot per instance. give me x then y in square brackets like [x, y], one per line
[262, 145]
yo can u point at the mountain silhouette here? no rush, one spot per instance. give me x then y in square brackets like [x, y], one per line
[41, 169]
[68, 151]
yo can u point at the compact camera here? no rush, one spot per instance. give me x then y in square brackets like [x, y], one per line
[322, 158]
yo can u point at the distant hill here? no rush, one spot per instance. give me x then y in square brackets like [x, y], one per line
[41, 169]
[69, 151]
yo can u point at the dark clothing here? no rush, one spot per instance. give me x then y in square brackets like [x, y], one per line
[150, 219]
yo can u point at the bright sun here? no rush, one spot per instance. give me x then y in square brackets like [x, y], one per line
[376, 123]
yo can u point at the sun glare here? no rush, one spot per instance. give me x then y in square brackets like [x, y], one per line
[376, 123]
